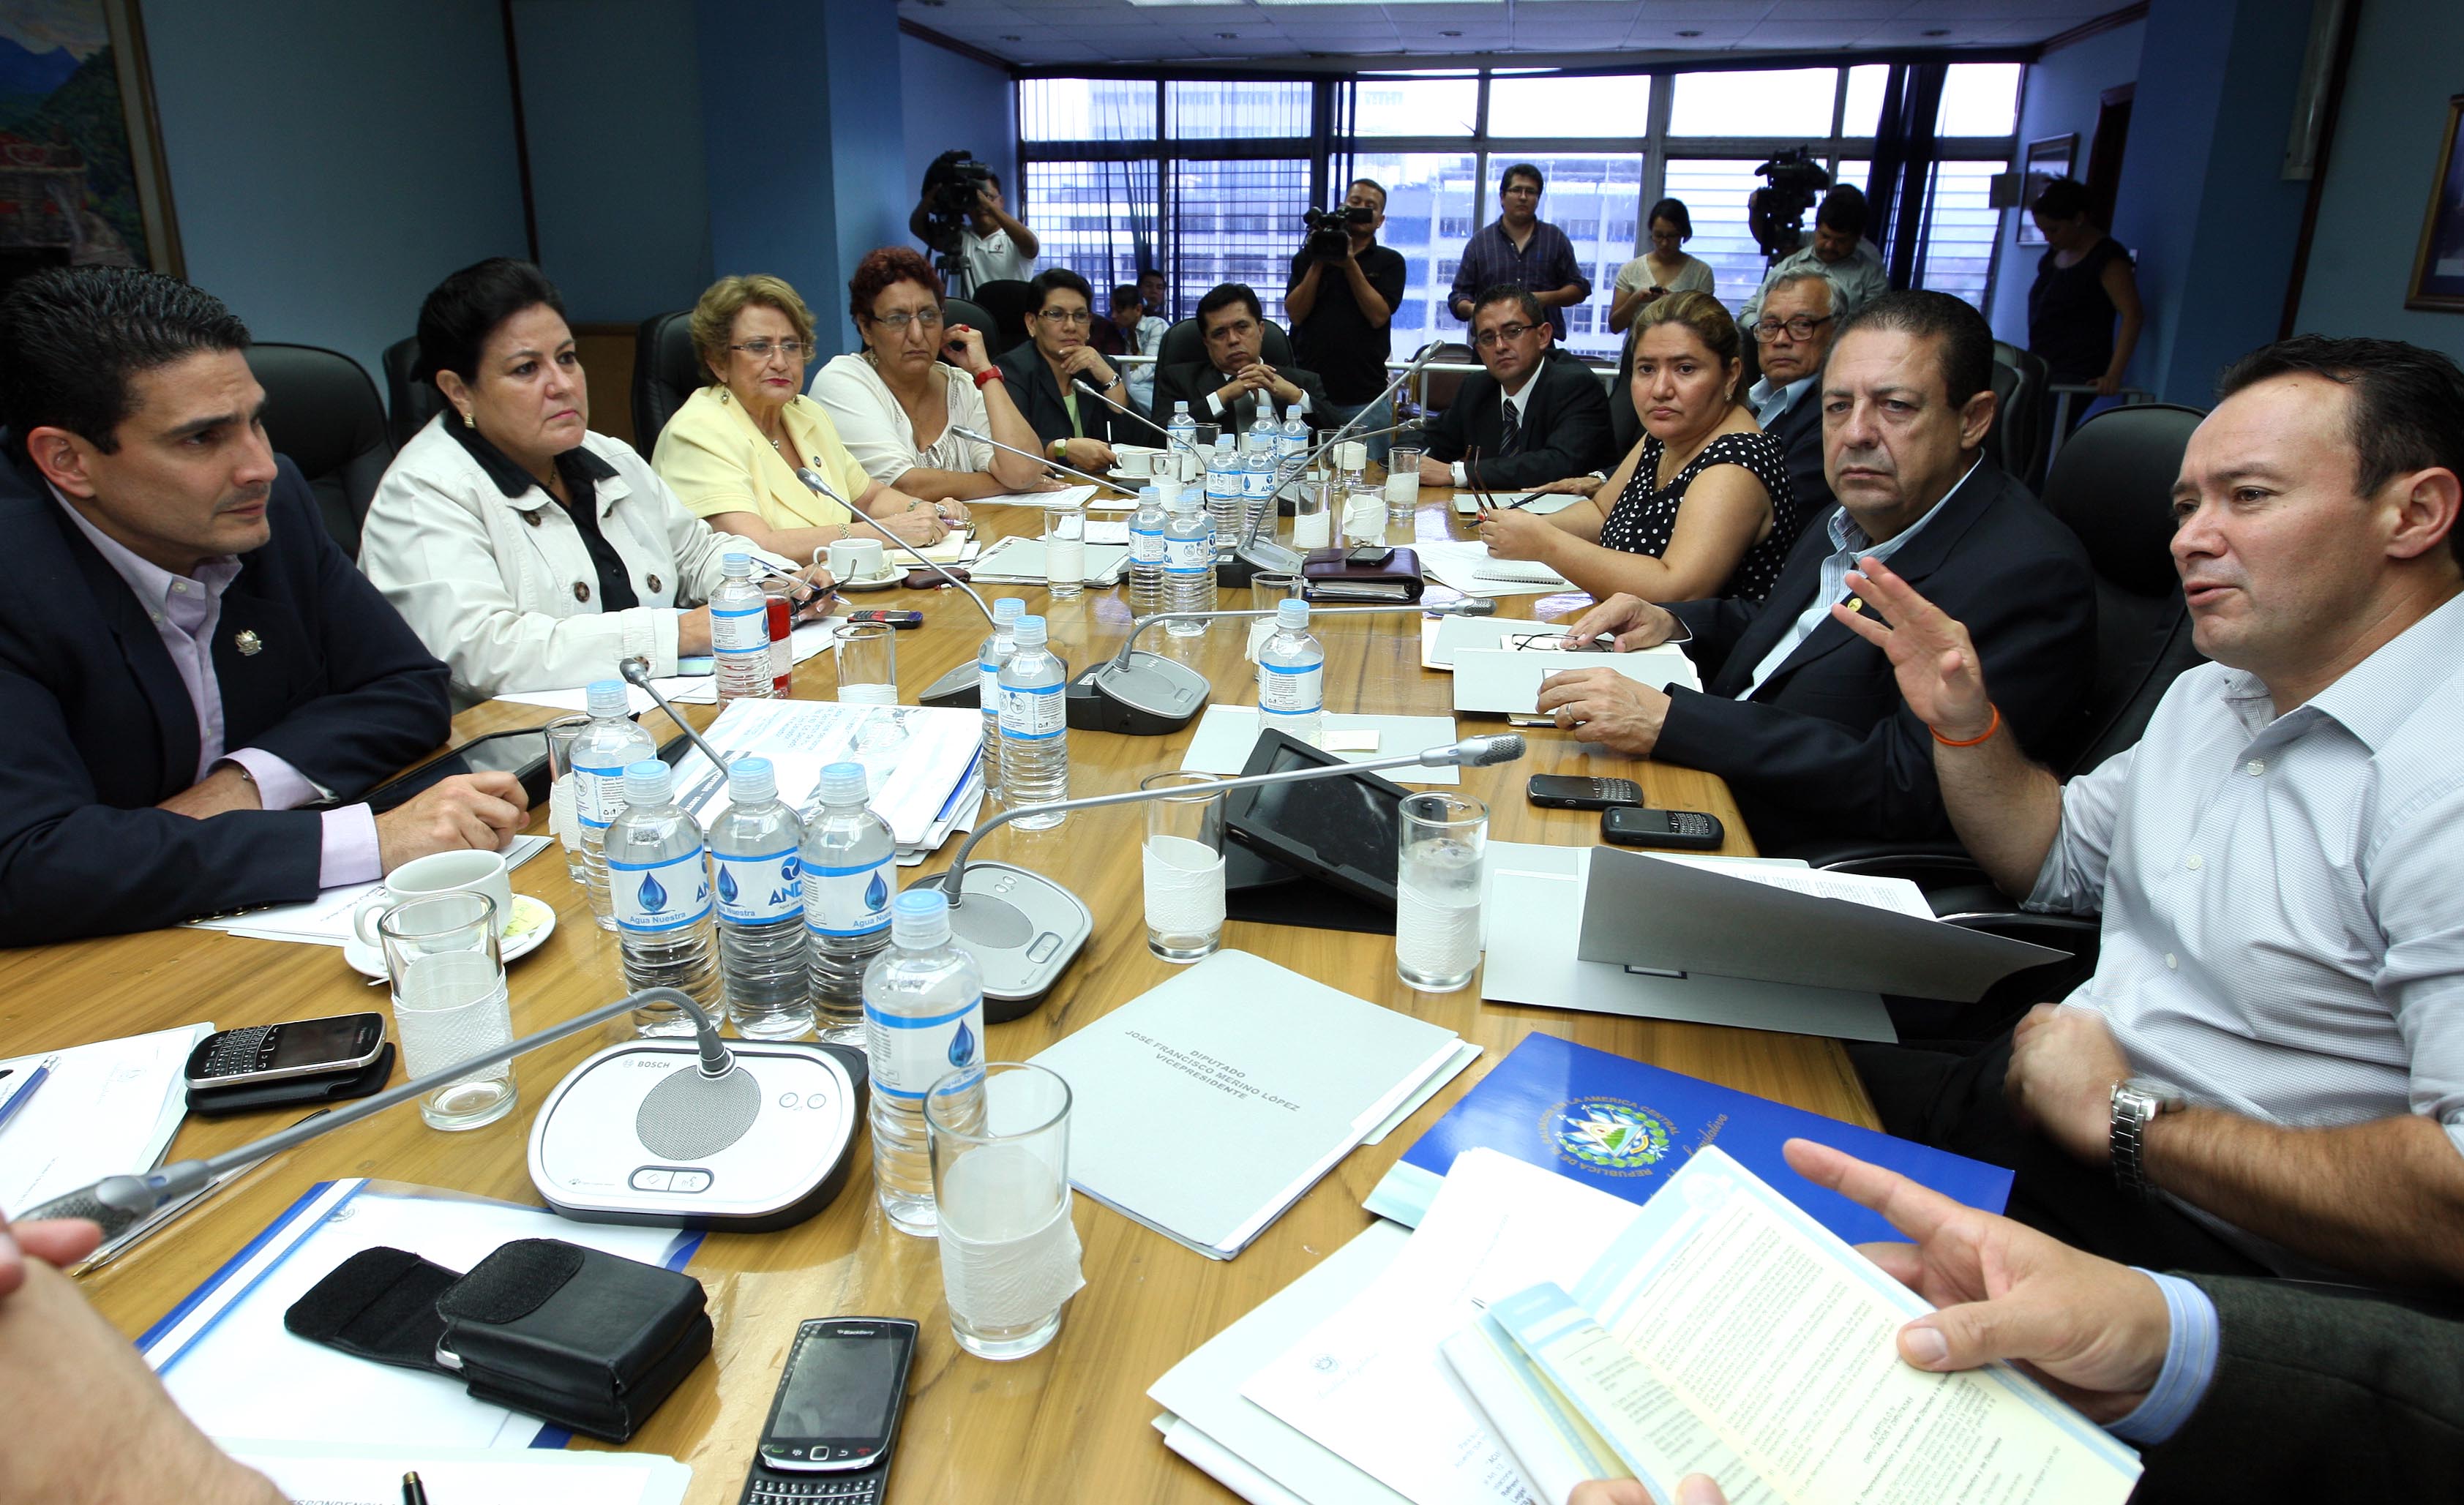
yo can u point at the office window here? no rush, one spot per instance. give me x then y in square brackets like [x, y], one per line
[1864, 115]
[1430, 200]
[1235, 110]
[1770, 103]
[1979, 99]
[1086, 110]
[1445, 106]
[1960, 229]
[1585, 195]
[1096, 218]
[1606, 105]
[1236, 222]
[1714, 193]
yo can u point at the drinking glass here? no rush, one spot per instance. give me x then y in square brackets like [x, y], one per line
[1437, 890]
[1000, 1191]
[867, 654]
[560, 820]
[1266, 587]
[1064, 549]
[1402, 483]
[1313, 507]
[1183, 860]
[449, 1002]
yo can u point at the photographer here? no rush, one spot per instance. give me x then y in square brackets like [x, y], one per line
[961, 215]
[1839, 253]
[1341, 300]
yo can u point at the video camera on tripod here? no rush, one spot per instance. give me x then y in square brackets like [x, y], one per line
[953, 186]
[1777, 213]
[1329, 230]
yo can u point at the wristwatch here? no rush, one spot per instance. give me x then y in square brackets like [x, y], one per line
[2137, 1102]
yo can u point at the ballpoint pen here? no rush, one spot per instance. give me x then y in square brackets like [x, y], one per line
[25, 1094]
[414, 1492]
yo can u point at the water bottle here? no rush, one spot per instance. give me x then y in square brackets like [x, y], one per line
[1291, 447]
[1258, 467]
[1224, 491]
[1035, 740]
[658, 875]
[989, 659]
[848, 887]
[757, 851]
[1146, 553]
[605, 747]
[739, 632]
[1184, 432]
[924, 1020]
[1188, 565]
[1291, 675]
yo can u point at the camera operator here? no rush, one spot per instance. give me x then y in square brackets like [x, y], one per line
[1341, 300]
[1838, 252]
[960, 215]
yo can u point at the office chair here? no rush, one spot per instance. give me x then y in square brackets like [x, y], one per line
[1438, 388]
[1010, 303]
[1625, 425]
[325, 413]
[666, 371]
[2016, 441]
[972, 315]
[1182, 344]
[410, 403]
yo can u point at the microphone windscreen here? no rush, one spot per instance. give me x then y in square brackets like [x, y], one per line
[689, 1117]
[1504, 746]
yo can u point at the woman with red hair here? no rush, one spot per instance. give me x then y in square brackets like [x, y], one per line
[895, 402]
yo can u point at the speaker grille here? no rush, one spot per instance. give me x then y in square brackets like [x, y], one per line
[689, 1116]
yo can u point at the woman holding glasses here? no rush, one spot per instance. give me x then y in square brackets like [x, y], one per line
[731, 451]
[1043, 375]
[897, 405]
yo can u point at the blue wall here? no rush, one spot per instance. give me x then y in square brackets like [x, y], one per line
[2063, 95]
[330, 163]
[952, 100]
[2379, 175]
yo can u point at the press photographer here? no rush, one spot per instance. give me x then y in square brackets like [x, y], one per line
[961, 215]
[1341, 298]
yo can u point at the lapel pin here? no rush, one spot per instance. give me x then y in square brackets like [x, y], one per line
[249, 644]
[1856, 604]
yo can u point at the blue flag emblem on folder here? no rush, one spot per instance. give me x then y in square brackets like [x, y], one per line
[1610, 1134]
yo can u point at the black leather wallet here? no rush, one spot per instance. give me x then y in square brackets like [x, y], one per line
[587, 1340]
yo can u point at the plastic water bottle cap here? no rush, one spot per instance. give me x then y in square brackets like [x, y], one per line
[752, 781]
[844, 784]
[1224, 443]
[1008, 609]
[920, 917]
[1030, 632]
[607, 698]
[647, 783]
[1293, 616]
[1149, 495]
[733, 564]
[1180, 409]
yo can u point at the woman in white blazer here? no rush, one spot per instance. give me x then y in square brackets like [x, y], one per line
[527, 552]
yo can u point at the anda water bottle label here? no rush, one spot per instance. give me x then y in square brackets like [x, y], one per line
[849, 901]
[1147, 545]
[988, 683]
[740, 630]
[1189, 555]
[908, 1055]
[1032, 712]
[598, 795]
[666, 895]
[757, 890]
[1289, 690]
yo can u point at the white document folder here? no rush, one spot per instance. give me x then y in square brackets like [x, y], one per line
[1505, 681]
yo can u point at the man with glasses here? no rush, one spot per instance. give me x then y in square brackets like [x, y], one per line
[1532, 416]
[1342, 306]
[1795, 334]
[1838, 251]
[1234, 380]
[1520, 249]
[1043, 375]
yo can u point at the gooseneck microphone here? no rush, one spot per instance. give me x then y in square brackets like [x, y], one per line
[1171, 439]
[119, 1203]
[637, 673]
[1025, 929]
[814, 482]
[975, 436]
[1267, 554]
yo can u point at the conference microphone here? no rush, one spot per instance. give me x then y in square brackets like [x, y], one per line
[973, 436]
[1024, 929]
[637, 673]
[962, 686]
[1169, 437]
[1143, 694]
[1274, 558]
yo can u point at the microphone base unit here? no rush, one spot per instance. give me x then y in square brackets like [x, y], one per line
[1150, 696]
[962, 688]
[637, 1134]
[1023, 928]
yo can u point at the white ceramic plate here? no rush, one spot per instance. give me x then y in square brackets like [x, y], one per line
[534, 922]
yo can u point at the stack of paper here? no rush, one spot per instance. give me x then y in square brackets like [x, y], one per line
[919, 759]
[697, 688]
[354, 1473]
[1205, 1107]
[107, 1109]
[1470, 568]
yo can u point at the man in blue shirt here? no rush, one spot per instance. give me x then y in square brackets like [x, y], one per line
[1520, 249]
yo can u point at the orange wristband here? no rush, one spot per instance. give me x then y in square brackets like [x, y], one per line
[1986, 735]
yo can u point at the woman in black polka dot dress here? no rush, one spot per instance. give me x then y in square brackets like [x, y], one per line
[1702, 507]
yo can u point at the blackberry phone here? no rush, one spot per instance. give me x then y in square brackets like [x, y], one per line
[328, 1047]
[1686, 830]
[840, 1399]
[1559, 792]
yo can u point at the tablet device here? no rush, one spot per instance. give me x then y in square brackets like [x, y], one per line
[521, 752]
[1341, 830]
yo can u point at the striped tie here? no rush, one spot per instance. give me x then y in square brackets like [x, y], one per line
[1512, 443]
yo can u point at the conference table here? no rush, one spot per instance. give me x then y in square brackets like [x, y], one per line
[1072, 1421]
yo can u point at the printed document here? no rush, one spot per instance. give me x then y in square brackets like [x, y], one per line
[916, 757]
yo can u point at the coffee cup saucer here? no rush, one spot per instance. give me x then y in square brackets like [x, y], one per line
[534, 922]
[890, 574]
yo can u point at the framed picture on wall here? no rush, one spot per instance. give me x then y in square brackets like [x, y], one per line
[2045, 160]
[2438, 263]
[82, 177]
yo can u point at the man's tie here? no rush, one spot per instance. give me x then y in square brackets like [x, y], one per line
[1510, 441]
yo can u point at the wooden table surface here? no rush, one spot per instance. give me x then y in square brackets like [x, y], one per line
[1069, 1422]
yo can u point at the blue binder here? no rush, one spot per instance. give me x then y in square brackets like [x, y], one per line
[1625, 1128]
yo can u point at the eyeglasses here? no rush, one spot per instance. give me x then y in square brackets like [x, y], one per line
[896, 323]
[1066, 315]
[761, 349]
[1491, 339]
[1517, 188]
[1800, 327]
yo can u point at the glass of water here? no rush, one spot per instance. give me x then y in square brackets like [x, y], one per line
[1266, 587]
[867, 663]
[1183, 861]
[1000, 1191]
[1437, 890]
[562, 822]
[1064, 549]
[449, 1002]
[1402, 483]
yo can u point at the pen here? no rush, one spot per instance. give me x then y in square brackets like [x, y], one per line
[34, 1083]
[414, 1492]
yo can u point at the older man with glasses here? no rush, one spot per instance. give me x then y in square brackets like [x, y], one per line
[1795, 334]
[1532, 415]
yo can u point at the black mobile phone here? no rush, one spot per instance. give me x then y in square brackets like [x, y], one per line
[1688, 830]
[841, 1397]
[895, 618]
[345, 1042]
[1558, 792]
[1368, 555]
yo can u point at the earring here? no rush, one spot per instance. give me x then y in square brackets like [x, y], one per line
[469, 421]
[723, 396]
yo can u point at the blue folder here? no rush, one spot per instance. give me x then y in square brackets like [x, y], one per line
[1625, 1128]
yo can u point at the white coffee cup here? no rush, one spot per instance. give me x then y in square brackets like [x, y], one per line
[1129, 461]
[856, 558]
[439, 873]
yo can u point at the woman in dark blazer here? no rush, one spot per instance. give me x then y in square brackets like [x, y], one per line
[1075, 428]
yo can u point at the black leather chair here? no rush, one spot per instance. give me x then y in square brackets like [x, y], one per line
[666, 372]
[410, 403]
[1625, 425]
[2016, 441]
[1007, 305]
[325, 413]
[1182, 343]
[972, 315]
[1438, 388]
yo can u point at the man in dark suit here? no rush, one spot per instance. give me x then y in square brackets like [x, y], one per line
[1535, 414]
[1230, 384]
[1799, 715]
[186, 660]
[1075, 428]
[1792, 336]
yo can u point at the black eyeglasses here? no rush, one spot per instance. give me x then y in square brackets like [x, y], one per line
[1489, 338]
[1800, 327]
[761, 349]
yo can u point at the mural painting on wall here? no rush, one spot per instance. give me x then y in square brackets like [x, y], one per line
[80, 177]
